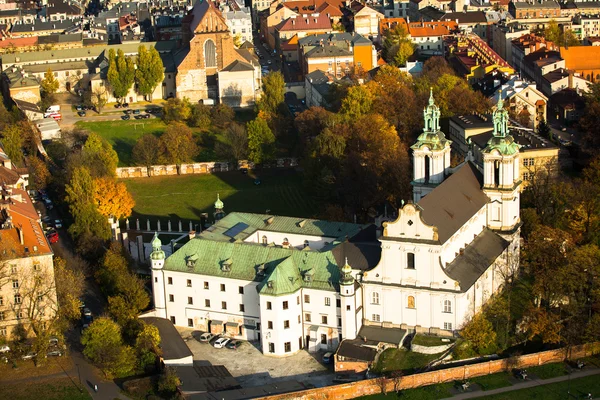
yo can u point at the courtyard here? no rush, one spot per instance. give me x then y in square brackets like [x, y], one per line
[186, 197]
[250, 367]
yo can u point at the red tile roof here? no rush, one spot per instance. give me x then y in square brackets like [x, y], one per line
[305, 22]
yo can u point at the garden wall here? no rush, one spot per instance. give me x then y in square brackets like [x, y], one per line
[199, 168]
[372, 386]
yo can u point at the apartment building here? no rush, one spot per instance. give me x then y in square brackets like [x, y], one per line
[534, 9]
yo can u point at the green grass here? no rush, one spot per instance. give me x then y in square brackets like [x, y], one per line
[549, 370]
[432, 392]
[431, 341]
[56, 389]
[578, 388]
[493, 381]
[187, 196]
[402, 359]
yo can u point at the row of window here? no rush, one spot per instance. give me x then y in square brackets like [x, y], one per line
[285, 304]
[528, 162]
[377, 318]
[307, 318]
[17, 299]
[190, 301]
[206, 285]
[327, 301]
[19, 314]
[411, 302]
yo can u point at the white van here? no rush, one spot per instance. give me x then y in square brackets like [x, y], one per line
[53, 109]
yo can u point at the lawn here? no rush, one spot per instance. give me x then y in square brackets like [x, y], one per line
[55, 389]
[27, 369]
[402, 359]
[493, 381]
[549, 370]
[185, 197]
[577, 388]
[432, 392]
[430, 341]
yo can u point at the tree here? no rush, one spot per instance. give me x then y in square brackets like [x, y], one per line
[12, 142]
[260, 141]
[113, 271]
[88, 222]
[553, 33]
[176, 110]
[480, 333]
[168, 381]
[70, 284]
[272, 97]
[397, 45]
[222, 115]
[99, 156]
[543, 129]
[179, 144]
[590, 120]
[311, 123]
[147, 345]
[357, 102]
[39, 172]
[121, 73]
[103, 345]
[237, 138]
[200, 117]
[112, 198]
[99, 98]
[150, 70]
[147, 150]
[49, 84]
[538, 322]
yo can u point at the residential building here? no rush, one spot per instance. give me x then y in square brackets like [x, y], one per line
[535, 9]
[27, 289]
[589, 25]
[524, 101]
[428, 37]
[472, 58]
[566, 106]
[527, 44]
[502, 37]
[270, 21]
[537, 64]
[365, 19]
[239, 20]
[336, 52]
[583, 60]
[396, 8]
[561, 78]
[470, 22]
[316, 87]
[301, 25]
[471, 133]
[296, 283]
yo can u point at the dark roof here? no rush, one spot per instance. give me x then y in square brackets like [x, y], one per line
[327, 51]
[356, 350]
[379, 334]
[62, 7]
[202, 379]
[338, 37]
[526, 139]
[556, 75]
[27, 106]
[247, 45]
[542, 53]
[252, 392]
[172, 345]
[476, 258]
[431, 13]
[568, 98]
[473, 121]
[472, 17]
[238, 66]
[536, 4]
[450, 205]
[363, 250]
[60, 38]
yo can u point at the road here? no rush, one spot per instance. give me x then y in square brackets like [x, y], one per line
[70, 118]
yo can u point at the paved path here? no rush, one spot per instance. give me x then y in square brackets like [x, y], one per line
[528, 384]
[89, 376]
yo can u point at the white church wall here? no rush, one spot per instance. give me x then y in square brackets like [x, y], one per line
[295, 240]
[273, 340]
[463, 237]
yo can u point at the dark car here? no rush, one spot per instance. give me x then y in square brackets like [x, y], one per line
[79, 108]
[125, 117]
[117, 105]
[138, 117]
[136, 111]
[127, 111]
[125, 105]
[234, 344]
[145, 116]
[81, 113]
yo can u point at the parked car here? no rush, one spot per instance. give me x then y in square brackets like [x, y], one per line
[79, 107]
[29, 356]
[87, 312]
[127, 111]
[125, 105]
[48, 204]
[234, 344]
[125, 117]
[46, 219]
[206, 337]
[117, 105]
[139, 116]
[145, 116]
[81, 113]
[52, 237]
[136, 111]
[57, 223]
[4, 349]
[221, 342]
[53, 341]
[54, 353]
[328, 357]
[269, 62]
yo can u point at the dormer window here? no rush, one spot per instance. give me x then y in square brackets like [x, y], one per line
[306, 243]
[191, 261]
[226, 266]
[261, 270]
[264, 239]
[270, 284]
[308, 277]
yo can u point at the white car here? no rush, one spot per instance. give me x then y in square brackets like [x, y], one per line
[57, 223]
[221, 342]
[29, 356]
[4, 349]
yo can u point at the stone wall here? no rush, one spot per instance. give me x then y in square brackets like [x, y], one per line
[198, 168]
[350, 366]
[368, 387]
[429, 349]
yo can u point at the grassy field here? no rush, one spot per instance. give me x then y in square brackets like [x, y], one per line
[493, 381]
[187, 196]
[55, 389]
[432, 392]
[404, 360]
[549, 370]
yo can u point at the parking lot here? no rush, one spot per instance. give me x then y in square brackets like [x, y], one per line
[251, 368]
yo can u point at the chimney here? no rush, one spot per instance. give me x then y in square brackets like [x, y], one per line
[570, 79]
[21, 236]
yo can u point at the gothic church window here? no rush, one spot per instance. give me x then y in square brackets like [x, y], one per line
[210, 54]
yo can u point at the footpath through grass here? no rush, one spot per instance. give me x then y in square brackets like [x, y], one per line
[187, 196]
[55, 389]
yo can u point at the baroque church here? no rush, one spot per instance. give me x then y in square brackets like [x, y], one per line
[295, 283]
[209, 66]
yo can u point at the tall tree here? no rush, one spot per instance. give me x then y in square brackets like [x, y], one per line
[49, 84]
[70, 285]
[147, 150]
[222, 115]
[480, 333]
[179, 144]
[176, 110]
[12, 142]
[121, 73]
[272, 97]
[260, 141]
[99, 156]
[200, 117]
[238, 141]
[358, 102]
[397, 45]
[112, 198]
[39, 172]
[590, 120]
[150, 71]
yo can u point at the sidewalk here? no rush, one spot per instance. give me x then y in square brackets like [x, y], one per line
[527, 384]
[89, 376]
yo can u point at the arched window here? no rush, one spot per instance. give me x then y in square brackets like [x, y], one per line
[410, 260]
[210, 54]
[447, 306]
[306, 243]
[285, 240]
[496, 173]
[375, 298]
[427, 168]
[264, 240]
[411, 302]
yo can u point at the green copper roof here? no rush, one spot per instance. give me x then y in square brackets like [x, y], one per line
[157, 252]
[432, 136]
[257, 262]
[502, 141]
[238, 226]
[219, 204]
[347, 274]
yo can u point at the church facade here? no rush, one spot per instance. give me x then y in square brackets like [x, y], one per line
[294, 283]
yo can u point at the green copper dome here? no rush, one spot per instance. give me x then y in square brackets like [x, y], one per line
[219, 204]
[501, 140]
[157, 252]
[432, 137]
[346, 278]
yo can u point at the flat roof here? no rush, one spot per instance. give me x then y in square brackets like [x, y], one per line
[172, 344]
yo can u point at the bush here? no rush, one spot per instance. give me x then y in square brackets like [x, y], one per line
[168, 381]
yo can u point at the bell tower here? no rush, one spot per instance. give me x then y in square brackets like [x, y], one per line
[501, 179]
[157, 262]
[348, 302]
[431, 153]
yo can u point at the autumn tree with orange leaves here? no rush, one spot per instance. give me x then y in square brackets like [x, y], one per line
[112, 198]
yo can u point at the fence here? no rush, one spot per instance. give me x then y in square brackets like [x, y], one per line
[373, 386]
[199, 168]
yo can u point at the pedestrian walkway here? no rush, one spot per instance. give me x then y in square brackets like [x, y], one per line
[528, 384]
[89, 376]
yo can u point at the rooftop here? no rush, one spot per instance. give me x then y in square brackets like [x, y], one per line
[345, 37]
[545, 4]
[305, 22]
[356, 350]
[172, 345]
[328, 51]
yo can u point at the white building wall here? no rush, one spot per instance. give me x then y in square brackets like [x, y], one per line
[295, 240]
[321, 304]
[274, 339]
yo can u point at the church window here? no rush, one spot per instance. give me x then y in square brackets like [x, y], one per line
[411, 301]
[375, 298]
[427, 168]
[496, 173]
[264, 240]
[410, 260]
[447, 306]
[210, 54]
